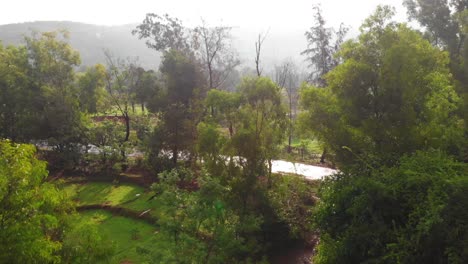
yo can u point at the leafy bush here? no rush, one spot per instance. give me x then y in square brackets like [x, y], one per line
[411, 213]
[84, 244]
[32, 210]
[292, 200]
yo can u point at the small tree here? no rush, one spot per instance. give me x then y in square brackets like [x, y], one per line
[32, 210]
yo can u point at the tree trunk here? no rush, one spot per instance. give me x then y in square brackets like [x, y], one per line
[324, 153]
[290, 124]
[127, 127]
[270, 166]
[175, 148]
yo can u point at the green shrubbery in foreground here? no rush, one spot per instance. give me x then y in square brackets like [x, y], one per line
[414, 212]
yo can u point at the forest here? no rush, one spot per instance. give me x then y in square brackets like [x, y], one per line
[117, 163]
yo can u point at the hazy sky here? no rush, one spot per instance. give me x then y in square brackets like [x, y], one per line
[288, 15]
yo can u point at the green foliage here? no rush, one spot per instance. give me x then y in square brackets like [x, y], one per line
[392, 95]
[179, 108]
[38, 97]
[91, 89]
[320, 50]
[411, 213]
[292, 200]
[198, 227]
[111, 238]
[31, 209]
[108, 137]
[84, 244]
[163, 33]
[16, 114]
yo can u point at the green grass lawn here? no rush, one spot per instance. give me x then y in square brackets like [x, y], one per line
[125, 195]
[311, 146]
[126, 234]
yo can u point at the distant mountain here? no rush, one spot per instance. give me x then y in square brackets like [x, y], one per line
[89, 40]
[92, 40]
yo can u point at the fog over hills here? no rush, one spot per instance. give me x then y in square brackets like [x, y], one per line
[91, 41]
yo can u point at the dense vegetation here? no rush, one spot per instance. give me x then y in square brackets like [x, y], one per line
[134, 165]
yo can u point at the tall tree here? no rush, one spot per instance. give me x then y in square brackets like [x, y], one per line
[391, 95]
[18, 115]
[91, 88]
[210, 45]
[214, 50]
[321, 48]
[120, 80]
[446, 24]
[178, 104]
[287, 77]
[52, 61]
[146, 87]
[258, 50]
[163, 33]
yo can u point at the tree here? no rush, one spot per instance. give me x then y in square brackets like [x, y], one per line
[258, 49]
[18, 118]
[51, 69]
[446, 25]
[120, 83]
[214, 50]
[32, 210]
[178, 105]
[320, 49]
[256, 122]
[91, 88]
[263, 124]
[286, 77]
[410, 213]
[146, 87]
[391, 95]
[210, 45]
[196, 226]
[163, 33]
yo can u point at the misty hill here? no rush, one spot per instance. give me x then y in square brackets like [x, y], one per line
[91, 41]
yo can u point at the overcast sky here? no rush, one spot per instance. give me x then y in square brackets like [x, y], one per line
[284, 15]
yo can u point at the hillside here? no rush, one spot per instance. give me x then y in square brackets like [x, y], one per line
[89, 40]
[92, 40]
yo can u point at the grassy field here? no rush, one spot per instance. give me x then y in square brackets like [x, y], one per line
[124, 195]
[125, 234]
[312, 149]
[310, 145]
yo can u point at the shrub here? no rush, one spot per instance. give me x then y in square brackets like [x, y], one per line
[414, 212]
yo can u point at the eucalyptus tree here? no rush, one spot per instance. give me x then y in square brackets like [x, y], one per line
[211, 46]
[287, 77]
[393, 94]
[322, 44]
